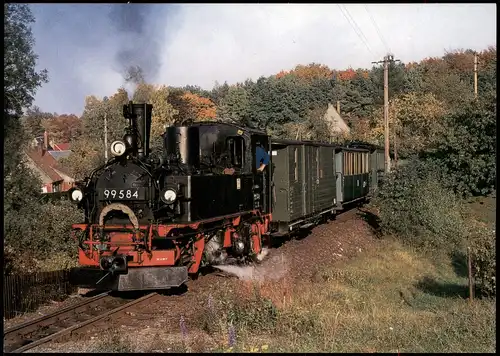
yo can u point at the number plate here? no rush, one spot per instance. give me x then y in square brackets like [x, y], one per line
[122, 194]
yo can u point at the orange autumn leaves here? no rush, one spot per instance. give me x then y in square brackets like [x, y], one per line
[193, 107]
[314, 71]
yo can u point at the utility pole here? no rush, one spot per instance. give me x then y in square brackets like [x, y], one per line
[475, 75]
[386, 114]
[395, 145]
[387, 59]
[106, 137]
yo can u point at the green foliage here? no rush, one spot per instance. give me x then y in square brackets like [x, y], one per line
[255, 313]
[357, 96]
[487, 72]
[235, 105]
[414, 79]
[95, 111]
[483, 252]
[397, 81]
[20, 78]
[218, 93]
[417, 207]
[42, 234]
[33, 120]
[467, 149]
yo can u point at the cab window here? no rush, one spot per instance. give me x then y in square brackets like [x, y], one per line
[236, 148]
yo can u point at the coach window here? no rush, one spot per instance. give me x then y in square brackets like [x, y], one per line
[351, 163]
[345, 163]
[236, 148]
[295, 166]
[318, 171]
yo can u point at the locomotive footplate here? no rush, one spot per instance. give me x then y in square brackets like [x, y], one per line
[141, 278]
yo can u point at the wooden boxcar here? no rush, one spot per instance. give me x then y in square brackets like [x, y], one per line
[353, 174]
[304, 179]
[312, 180]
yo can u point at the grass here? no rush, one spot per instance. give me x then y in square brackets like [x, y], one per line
[391, 298]
[388, 299]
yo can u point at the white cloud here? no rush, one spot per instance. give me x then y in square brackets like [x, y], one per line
[204, 43]
[233, 42]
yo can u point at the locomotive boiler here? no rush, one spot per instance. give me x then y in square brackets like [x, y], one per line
[153, 219]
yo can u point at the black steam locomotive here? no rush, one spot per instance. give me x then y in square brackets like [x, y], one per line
[152, 219]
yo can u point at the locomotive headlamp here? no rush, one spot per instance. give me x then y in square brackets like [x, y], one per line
[118, 148]
[76, 195]
[169, 196]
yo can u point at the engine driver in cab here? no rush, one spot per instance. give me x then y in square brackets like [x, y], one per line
[262, 158]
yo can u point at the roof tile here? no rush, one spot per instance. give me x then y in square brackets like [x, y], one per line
[46, 163]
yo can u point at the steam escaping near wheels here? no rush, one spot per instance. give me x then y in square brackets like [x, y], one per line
[262, 254]
[273, 269]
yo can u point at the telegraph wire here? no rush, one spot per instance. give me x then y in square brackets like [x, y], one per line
[355, 30]
[355, 23]
[377, 28]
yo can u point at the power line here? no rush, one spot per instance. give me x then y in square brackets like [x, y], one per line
[377, 28]
[355, 30]
[365, 40]
[355, 23]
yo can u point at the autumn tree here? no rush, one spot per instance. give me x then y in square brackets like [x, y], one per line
[163, 115]
[445, 84]
[195, 89]
[310, 72]
[415, 118]
[192, 107]
[86, 155]
[63, 128]
[487, 71]
[81, 162]
[143, 93]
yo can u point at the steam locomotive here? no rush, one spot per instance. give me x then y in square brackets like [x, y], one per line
[152, 219]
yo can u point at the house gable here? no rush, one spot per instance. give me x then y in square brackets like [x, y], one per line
[336, 122]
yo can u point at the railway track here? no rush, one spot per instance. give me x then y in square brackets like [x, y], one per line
[68, 321]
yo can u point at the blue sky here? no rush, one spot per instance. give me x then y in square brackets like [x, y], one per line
[85, 47]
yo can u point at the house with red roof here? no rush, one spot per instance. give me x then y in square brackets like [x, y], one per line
[42, 158]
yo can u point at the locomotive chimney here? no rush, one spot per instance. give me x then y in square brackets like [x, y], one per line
[140, 124]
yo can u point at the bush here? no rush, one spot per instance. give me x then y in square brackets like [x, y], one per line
[483, 253]
[415, 205]
[467, 149]
[43, 241]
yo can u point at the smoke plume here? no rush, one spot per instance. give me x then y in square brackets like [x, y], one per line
[139, 58]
